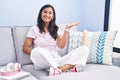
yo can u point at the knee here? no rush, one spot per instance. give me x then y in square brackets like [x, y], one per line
[36, 49]
[85, 49]
[35, 52]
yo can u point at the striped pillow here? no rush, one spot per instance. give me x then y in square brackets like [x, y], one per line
[75, 39]
[100, 45]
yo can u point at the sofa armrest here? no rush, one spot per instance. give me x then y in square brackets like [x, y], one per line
[116, 59]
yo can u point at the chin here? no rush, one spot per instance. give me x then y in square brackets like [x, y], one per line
[46, 21]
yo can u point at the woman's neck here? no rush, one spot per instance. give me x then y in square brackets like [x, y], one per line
[46, 27]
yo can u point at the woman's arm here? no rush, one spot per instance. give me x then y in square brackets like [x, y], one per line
[27, 47]
[61, 40]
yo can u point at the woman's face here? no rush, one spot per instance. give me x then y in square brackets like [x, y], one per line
[47, 14]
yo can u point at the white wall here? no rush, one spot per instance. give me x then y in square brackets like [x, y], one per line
[93, 15]
[114, 15]
[90, 13]
[114, 23]
[25, 12]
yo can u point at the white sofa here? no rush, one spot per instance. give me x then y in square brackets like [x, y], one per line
[11, 40]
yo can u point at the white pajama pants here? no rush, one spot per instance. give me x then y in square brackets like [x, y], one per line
[43, 58]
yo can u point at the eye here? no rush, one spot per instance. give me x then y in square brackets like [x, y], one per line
[50, 12]
[44, 11]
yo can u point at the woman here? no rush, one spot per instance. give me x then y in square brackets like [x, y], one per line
[45, 38]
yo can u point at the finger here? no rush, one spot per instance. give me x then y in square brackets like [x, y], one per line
[75, 23]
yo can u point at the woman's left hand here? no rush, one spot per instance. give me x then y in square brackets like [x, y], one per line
[72, 24]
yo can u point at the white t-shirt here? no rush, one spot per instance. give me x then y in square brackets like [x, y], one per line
[44, 40]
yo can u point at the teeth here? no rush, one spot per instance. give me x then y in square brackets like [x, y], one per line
[46, 18]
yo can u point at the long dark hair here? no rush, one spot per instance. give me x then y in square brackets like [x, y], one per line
[52, 27]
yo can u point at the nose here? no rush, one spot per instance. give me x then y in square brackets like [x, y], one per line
[47, 14]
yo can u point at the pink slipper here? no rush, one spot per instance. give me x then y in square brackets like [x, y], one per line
[54, 71]
[77, 68]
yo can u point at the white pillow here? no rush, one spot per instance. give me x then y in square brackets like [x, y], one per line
[75, 40]
[100, 45]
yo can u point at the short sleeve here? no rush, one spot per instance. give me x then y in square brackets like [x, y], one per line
[31, 33]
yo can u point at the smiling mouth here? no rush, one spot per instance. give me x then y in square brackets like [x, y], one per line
[46, 18]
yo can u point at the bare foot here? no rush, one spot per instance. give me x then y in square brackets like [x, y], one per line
[66, 67]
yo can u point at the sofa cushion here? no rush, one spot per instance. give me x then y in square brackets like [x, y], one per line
[7, 51]
[35, 72]
[93, 72]
[116, 59]
[90, 72]
[19, 33]
[75, 40]
[100, 45]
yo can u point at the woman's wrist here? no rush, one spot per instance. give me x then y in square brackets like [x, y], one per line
[67, 29]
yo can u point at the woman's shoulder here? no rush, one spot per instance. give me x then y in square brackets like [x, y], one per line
[35, 28]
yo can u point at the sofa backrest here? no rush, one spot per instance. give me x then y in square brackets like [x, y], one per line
[19, 35]
[7, 52]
